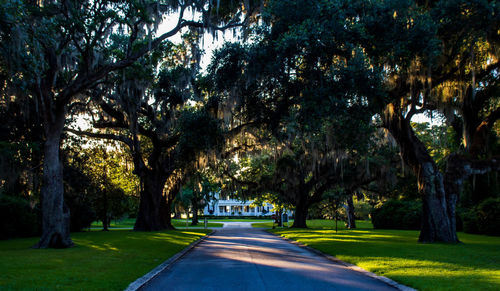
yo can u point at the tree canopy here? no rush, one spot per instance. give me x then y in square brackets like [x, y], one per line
[313, 101]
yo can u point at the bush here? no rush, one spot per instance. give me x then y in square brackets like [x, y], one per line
[395, 214]
[362, 209]
[17, 218]
[484, 218]
[81, 213]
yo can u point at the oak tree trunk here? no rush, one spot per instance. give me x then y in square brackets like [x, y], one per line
[55, 214]
[437, 220]
[301, 210]
[279, 216]
[168, 212]
[351, 218]
[105, 219]
[152, 205]
[194, 221]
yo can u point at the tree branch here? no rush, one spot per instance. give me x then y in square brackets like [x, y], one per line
[107, 136]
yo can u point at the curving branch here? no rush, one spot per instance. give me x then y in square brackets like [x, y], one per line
[107, 136]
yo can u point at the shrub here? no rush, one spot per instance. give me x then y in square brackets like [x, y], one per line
[362, 209]
[17, 218]
[395, 214]
[81, 213]
[484, 218]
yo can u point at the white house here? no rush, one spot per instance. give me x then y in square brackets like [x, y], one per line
[226, 206]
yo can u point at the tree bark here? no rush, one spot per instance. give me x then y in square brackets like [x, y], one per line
[168, 212]
[105, 219]
[152, 214]
[301, 210]
[438, 223]
[195, 221]
[55, 214]
[437, 220]
[351, 218]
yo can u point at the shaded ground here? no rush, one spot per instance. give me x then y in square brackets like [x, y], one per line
[238, 257]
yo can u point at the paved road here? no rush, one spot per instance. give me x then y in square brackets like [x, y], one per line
[241, 258]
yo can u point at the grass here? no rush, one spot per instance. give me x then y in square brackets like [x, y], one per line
[129, 223]
[180, 223]
[99, 261]
[241, 219]
[318, 223]
[124, 223]
[473, 264]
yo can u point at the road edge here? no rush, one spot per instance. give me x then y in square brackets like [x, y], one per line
[142, 281]
[353, 267]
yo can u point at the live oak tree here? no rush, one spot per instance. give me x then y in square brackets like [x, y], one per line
[299, 82]
[438, 56]
[429, 56]
[198, 190]
[56, 51]
[165, 126]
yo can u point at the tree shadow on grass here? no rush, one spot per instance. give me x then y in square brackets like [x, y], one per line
[476, 253]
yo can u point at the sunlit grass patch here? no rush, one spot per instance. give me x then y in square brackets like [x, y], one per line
[99, 260]
[319, 223]
[180, 223]
[129, 223]
[473, 264]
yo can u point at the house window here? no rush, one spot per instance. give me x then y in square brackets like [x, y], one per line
[247, 208]
[222, 208]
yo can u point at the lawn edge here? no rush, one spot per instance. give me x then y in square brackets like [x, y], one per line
[353, 267]
[142, 281]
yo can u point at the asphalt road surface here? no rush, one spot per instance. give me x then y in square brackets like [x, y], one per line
[238, 257]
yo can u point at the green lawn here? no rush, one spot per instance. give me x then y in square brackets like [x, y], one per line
[241, 220]
[124, 223]
[129, 223]
[99, 261]
[473, 264]
[180, 223]
[318, 223]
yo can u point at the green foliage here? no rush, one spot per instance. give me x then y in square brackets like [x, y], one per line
[199, 132]
[20, 147]
[440, 141]
[395, 214]
[484, 218]
[362, 209]
[17, 218]
[96, 179]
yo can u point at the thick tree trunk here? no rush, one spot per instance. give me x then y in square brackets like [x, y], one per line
[460, 168]
[168, 212]
[301, 210]
[438, 223]
[195, 221]
[437, 220]
[152, 209]
[351, 218]
[55, 214]
[177, 213]
[105, 219]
